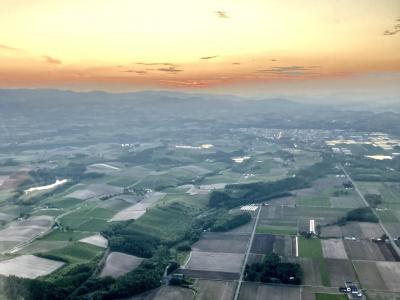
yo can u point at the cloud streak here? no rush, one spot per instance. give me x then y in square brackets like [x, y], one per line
[52, 60]
[9, 48]
[170, 70]
[289, 70]
[208, 57]
[157, 64]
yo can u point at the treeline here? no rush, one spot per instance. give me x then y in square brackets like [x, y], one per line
[124, 239]
[75, 172]
[373, 199]
[79, 284]
[365, 169]
[230, 221]
[146, 277]
[273, 270]
[58, 289]
[363, 214]
[241, 194]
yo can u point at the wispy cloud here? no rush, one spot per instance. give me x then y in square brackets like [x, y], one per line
[209, 57]
[236, 63]
[289, 70]
[52, 60]
[140, 72]
[170, 70]
[395, 30]
[9, 48]
[221, 14]
[157, 64]
[388, 32]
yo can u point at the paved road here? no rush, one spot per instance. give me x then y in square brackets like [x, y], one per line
[246, 257]
[391, 239]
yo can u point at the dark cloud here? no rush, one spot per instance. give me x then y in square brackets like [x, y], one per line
[51, 60]
[274, 59]
[209, 57]
[221, 14]
[170, 70]
[236, 63]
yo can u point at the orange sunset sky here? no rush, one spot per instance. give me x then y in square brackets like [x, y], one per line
[127, 45]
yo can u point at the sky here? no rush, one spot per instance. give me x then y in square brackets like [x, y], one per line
[239, 46]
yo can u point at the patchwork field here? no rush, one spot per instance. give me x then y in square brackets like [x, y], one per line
[267, 243]
[118, 264]
[333, 249]
[255, 291]
[213, 261]
[139, 209]
[24, 230]
[363, 250]
[361, 230]
[94, 190]
[28, 266]
[340, 270]
[208, 289]
[97, 240]
[77, 252]
[220, 242]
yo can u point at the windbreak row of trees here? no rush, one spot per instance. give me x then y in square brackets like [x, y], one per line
[241, 194]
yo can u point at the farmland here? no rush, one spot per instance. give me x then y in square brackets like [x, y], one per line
[134, 203]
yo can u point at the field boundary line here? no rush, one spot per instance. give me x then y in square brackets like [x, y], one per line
[250, 243]
[391, 239]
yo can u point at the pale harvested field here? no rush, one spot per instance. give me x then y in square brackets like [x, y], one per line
[139, 209]
[340, 270]
[220, 242]
[97, 240]
[362, 230]
[24, 230]
[28, 266]
[40, 246]
[219, 262]
[257, 291]
[118, 264]
[331, 231]
[369, 275]
[390, 272]
[333, 249]
[363, 250]
[94, 190]
[210, 289]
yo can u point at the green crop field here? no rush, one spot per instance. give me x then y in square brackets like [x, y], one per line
[280, 230]
[318, 201]
[77, 252]
[319, 296]
[58, 235]
[310, 247]
[166, 223]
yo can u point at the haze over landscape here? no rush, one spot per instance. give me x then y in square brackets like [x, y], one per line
[199, 150]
